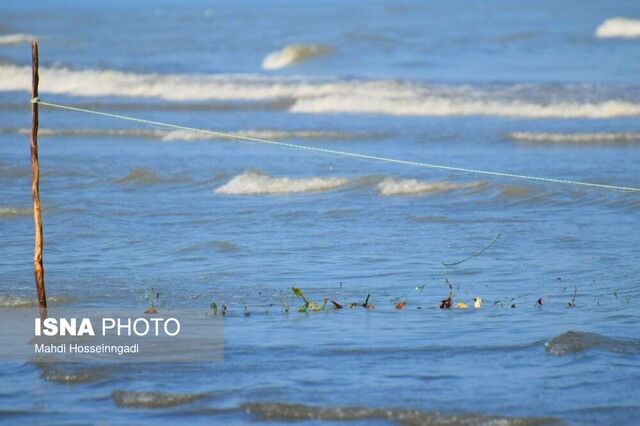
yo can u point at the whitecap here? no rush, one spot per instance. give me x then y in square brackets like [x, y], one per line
[133, 399]
[13, 212]
[16, 38]
[619, 27]
[27, 302]
[270, 134]
[575, 137]
[364, 103]
[285, 412]
[256, 183]
[293, 54]
[332, 95]
[393, 187]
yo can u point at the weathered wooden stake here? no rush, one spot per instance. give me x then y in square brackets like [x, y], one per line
[35, 185]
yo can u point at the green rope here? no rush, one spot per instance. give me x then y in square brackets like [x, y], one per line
[474, 254]
[342, 153]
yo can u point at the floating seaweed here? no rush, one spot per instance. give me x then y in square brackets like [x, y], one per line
[298, 293]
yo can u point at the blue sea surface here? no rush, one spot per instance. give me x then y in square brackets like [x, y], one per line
[543, 89]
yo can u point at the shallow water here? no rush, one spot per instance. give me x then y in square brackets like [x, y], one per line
[500, 86]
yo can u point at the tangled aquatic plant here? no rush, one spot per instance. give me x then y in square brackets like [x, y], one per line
[214, 308]
[309, 306]
[152, 296]
[298, 293]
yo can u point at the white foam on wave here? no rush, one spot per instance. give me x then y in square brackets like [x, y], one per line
[170, 87]
[185, 136]
[16, 38]
[153, 399]
[13, 212]
[293, 54]
[181, 135]
[99, 133]
[393, 187]
[439, 106]
[25, 302]
[256, 183]
[619, 27]
[322, 96]
[575, 137]
[270, 134]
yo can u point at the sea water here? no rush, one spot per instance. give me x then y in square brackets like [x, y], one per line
[545, 88]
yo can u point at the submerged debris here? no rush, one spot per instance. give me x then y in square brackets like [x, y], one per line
[573, 301]
[366, 303]
[446, 303]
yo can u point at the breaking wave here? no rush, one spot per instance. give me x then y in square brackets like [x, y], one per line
[293, 54]
[27, 302]
[575, 137]
[392, 186]
[256, 183]
[186, 135]
[332, 95]
[170, 87]
[576, 341]
[16, 38]
[275, 411]
[153, 399]
[193, 136]
[253, 182]
[436, 106]
[619, 27]
[98, 133]
[13, 212]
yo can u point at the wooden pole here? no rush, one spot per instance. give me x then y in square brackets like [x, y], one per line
[35, 185]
